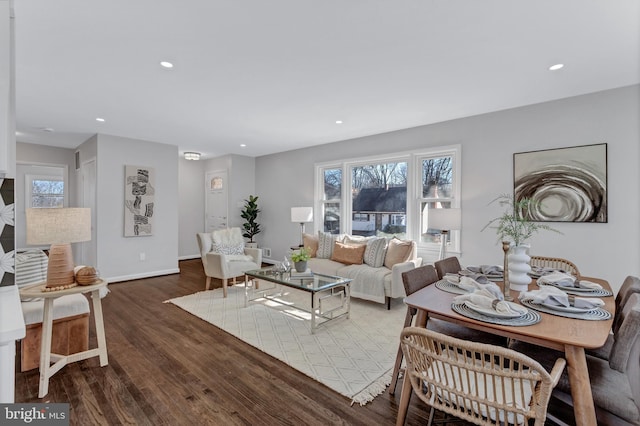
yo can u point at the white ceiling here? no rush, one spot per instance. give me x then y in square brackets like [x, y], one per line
[276, 75]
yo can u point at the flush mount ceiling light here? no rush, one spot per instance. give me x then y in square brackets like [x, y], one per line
[100, 119]
[166, 64]
[243, 145]
[338, 121]
[191, 155]
[556, 67]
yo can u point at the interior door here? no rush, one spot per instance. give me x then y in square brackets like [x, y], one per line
[217, 204]
[89, 249]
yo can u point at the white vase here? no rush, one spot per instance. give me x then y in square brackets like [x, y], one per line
[519, 268]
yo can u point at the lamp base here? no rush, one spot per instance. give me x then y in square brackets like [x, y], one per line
[443, 244]
[60, 269]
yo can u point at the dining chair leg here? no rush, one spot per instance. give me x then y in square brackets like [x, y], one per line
[208, 283]
[403, 405]
[396, 371]
[408, 319]
[431, 413]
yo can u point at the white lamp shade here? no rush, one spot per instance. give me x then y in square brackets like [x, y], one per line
[445, 219]
[58, 225]
[301, 214]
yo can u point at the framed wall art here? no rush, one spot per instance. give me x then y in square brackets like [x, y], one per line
[139, 192]
[566, 184]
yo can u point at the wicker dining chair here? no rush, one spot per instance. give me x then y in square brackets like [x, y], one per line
[417, 279]
[448, 265]
[555, 263]
[479, 383]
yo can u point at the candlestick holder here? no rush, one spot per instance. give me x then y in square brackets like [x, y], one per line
[506, 245]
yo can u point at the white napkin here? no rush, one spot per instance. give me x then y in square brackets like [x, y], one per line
[565, 280]
[471, 285]
[555, 297]
[485, 299]
[486, 269]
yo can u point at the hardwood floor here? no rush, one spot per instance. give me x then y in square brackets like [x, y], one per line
[167, 367]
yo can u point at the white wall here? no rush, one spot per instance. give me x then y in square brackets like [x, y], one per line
[610, 251]
[119, 257]
[191, 206]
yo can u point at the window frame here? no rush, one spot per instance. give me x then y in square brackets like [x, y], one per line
[414, 190]
[29, 178]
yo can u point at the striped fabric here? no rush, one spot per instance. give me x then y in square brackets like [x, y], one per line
[325, 244]
[31, 267]
[376, 251]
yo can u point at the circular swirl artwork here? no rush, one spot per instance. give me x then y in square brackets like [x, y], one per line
[566, 184]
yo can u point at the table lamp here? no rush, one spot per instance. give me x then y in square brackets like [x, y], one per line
[301, 215]
[59, 227]
[445, 220]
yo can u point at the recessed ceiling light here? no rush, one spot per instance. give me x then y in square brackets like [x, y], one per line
[166, 64]
[338, 121]
[243, 145]
[556, 67]
[100, 119]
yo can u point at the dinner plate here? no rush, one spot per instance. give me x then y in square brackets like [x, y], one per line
[492, 313]
[571, 309]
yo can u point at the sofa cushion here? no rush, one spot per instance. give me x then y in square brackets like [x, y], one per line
[376, 252]
[310, 243]
[398, 251]
[324, 266]
[325, 244]
[349, 254]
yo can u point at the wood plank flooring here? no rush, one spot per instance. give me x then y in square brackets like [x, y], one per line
[167, 367]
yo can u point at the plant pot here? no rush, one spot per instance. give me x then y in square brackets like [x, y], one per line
[301, 266]
[251, 245]
[519, 268]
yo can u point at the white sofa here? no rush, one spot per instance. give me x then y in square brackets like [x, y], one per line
[376, 283]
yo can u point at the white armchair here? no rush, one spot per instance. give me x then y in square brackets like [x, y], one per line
[221, 258]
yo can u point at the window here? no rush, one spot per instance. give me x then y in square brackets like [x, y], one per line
[331, 199]
[379, 190]
[390, 195]
[45, 191]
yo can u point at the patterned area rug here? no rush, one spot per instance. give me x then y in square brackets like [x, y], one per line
[352, 356]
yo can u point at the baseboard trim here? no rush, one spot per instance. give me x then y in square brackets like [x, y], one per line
[189, 257]
[142, 275]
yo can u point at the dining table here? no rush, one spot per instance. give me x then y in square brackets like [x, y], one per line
[569, 335]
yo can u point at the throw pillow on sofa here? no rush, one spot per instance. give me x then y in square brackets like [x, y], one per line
[310, 243]
[325, 244]
[376, 252]
[398, 251]
[349, 254]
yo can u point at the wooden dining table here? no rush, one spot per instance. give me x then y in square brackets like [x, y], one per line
[569, 335]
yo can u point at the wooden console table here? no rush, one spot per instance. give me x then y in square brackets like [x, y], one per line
[46, 357]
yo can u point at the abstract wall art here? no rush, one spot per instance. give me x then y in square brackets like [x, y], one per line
[139, 191]
[566, 184]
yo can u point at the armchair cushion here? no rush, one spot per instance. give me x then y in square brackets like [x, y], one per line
[227, 241]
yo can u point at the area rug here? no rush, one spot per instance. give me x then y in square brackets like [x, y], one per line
[354, 356]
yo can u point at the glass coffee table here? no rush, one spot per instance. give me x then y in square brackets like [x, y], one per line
[330, 295]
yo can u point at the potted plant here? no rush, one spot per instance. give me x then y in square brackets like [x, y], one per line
[250, 213]
[513, 228]
[300, 258]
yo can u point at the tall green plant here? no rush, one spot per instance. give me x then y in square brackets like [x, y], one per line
[512, 225]
[250, 214]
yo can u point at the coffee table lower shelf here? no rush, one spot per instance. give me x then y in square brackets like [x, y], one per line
[337, 297]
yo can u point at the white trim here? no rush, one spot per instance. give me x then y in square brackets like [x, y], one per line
[142, 275]
[189, 257]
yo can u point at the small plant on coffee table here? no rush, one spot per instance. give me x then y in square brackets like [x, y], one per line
[300, 258]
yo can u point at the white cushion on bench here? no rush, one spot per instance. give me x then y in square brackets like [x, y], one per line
[65, 306]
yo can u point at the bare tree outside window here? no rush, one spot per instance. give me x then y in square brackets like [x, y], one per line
[47, 193]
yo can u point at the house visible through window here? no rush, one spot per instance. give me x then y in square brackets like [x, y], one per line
[390, 196]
